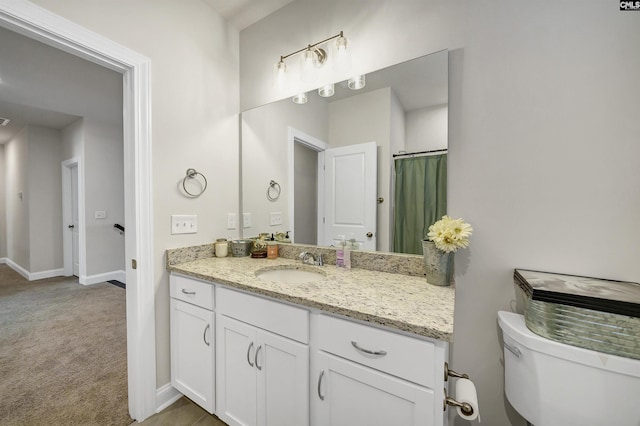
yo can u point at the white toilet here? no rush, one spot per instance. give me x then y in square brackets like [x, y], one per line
[554, 384]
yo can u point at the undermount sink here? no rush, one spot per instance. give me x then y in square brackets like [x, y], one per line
[290, 275]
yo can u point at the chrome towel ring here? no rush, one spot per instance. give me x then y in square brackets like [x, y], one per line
[193, 174]
[273, 191]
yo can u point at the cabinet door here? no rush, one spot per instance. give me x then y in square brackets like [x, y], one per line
[192, 354]
[283, 381]
[236, 372]
[348, 394]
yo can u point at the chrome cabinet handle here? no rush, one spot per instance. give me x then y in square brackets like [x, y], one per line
[320, 395]
[513, 349]
[248, 356]
[188, 292]
[204, 335]
[368, 351]
[255, 359]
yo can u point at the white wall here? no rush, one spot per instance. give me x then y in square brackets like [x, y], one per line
[104, 191]
[45, 199]
[426, 129]
[350, 123]
[543, 148]
[265, 156]
[194, 70]
[16, 157]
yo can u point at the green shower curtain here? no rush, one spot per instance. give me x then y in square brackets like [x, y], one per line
[420, 199]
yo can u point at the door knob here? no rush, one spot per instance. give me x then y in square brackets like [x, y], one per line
[369, 234]
[71, 226]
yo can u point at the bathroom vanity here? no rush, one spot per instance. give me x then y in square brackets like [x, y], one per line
[348, 347]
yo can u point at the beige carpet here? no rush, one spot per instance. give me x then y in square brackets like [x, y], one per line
[63, 357]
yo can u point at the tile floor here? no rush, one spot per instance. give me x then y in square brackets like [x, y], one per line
[183, 412]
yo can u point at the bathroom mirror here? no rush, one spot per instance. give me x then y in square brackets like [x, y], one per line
[287, 149]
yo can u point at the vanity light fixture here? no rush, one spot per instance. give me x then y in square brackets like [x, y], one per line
[357, 82]
[313, 58]
[327, 91]
[300, 98]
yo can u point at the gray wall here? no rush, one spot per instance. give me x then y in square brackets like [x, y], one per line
[542, 144]
[16, 152]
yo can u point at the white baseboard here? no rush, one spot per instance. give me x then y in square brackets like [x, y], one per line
[100, 278]
[165, 396]
[3, 260]
[31, 276]
[46, 274]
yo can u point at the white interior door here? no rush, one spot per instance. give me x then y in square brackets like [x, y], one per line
[350, 185]
[75, 224]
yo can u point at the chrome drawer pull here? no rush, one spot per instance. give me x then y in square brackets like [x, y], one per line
[255, 359]
[367, 351]
[513, 349]
[248, 352]
[204, 335]
[320, 395]
[188, 292]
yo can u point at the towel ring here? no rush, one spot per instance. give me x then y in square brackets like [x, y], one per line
[193, 174]
[274, 187]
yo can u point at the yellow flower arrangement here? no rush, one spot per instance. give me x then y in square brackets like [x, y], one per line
[450, 234]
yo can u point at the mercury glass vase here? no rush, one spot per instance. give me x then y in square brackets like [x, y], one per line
[438, 264]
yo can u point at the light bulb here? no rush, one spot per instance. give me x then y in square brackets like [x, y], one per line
[357, 82]
[326, 91]
[281, 74]
[300, 98]
[342, 55]
[309, 66]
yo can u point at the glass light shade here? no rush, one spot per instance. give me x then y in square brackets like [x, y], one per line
[309, 66]
[326, 91]
[357, 82]
[300, 98]
[281, 74]
[341, 55]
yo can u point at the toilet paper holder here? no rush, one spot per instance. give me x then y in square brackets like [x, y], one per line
[450, 373]
[466, 408]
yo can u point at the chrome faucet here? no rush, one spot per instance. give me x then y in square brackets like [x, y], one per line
[309, 259]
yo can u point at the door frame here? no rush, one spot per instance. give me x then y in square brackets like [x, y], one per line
[297, 136]
[40, 24]
[67, 217]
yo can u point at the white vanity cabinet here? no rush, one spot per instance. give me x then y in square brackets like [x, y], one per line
[192, 340]
[363, 375]
[262, 361]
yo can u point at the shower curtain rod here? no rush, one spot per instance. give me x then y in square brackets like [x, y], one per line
[404, 154]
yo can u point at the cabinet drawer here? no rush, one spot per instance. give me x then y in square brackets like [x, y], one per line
[399, 355]
[278, 318]
[192, 291]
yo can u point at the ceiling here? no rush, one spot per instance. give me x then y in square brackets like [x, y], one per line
[243, 13]
[44, 86]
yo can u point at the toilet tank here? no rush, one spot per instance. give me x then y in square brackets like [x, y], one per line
[551, 383]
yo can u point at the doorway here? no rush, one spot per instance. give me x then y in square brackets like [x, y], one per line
[32, 21]
[71, 206]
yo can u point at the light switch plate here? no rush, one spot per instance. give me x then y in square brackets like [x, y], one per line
[246, 220]
[184, 224]
[275, 219]
[232, 222]
[100, 214]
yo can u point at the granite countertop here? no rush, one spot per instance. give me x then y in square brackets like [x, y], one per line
[401, 302]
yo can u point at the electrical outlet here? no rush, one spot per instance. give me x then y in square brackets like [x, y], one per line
[232, 223]
[246, 220]
[184, 224]
[100, 214]
[275, 219]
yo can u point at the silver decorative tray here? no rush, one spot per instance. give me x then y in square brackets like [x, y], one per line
[591, 313]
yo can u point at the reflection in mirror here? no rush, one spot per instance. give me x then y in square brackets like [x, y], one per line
[354, 166]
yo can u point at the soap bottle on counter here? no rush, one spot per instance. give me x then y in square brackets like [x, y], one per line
[272, 250]
[343, 254]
